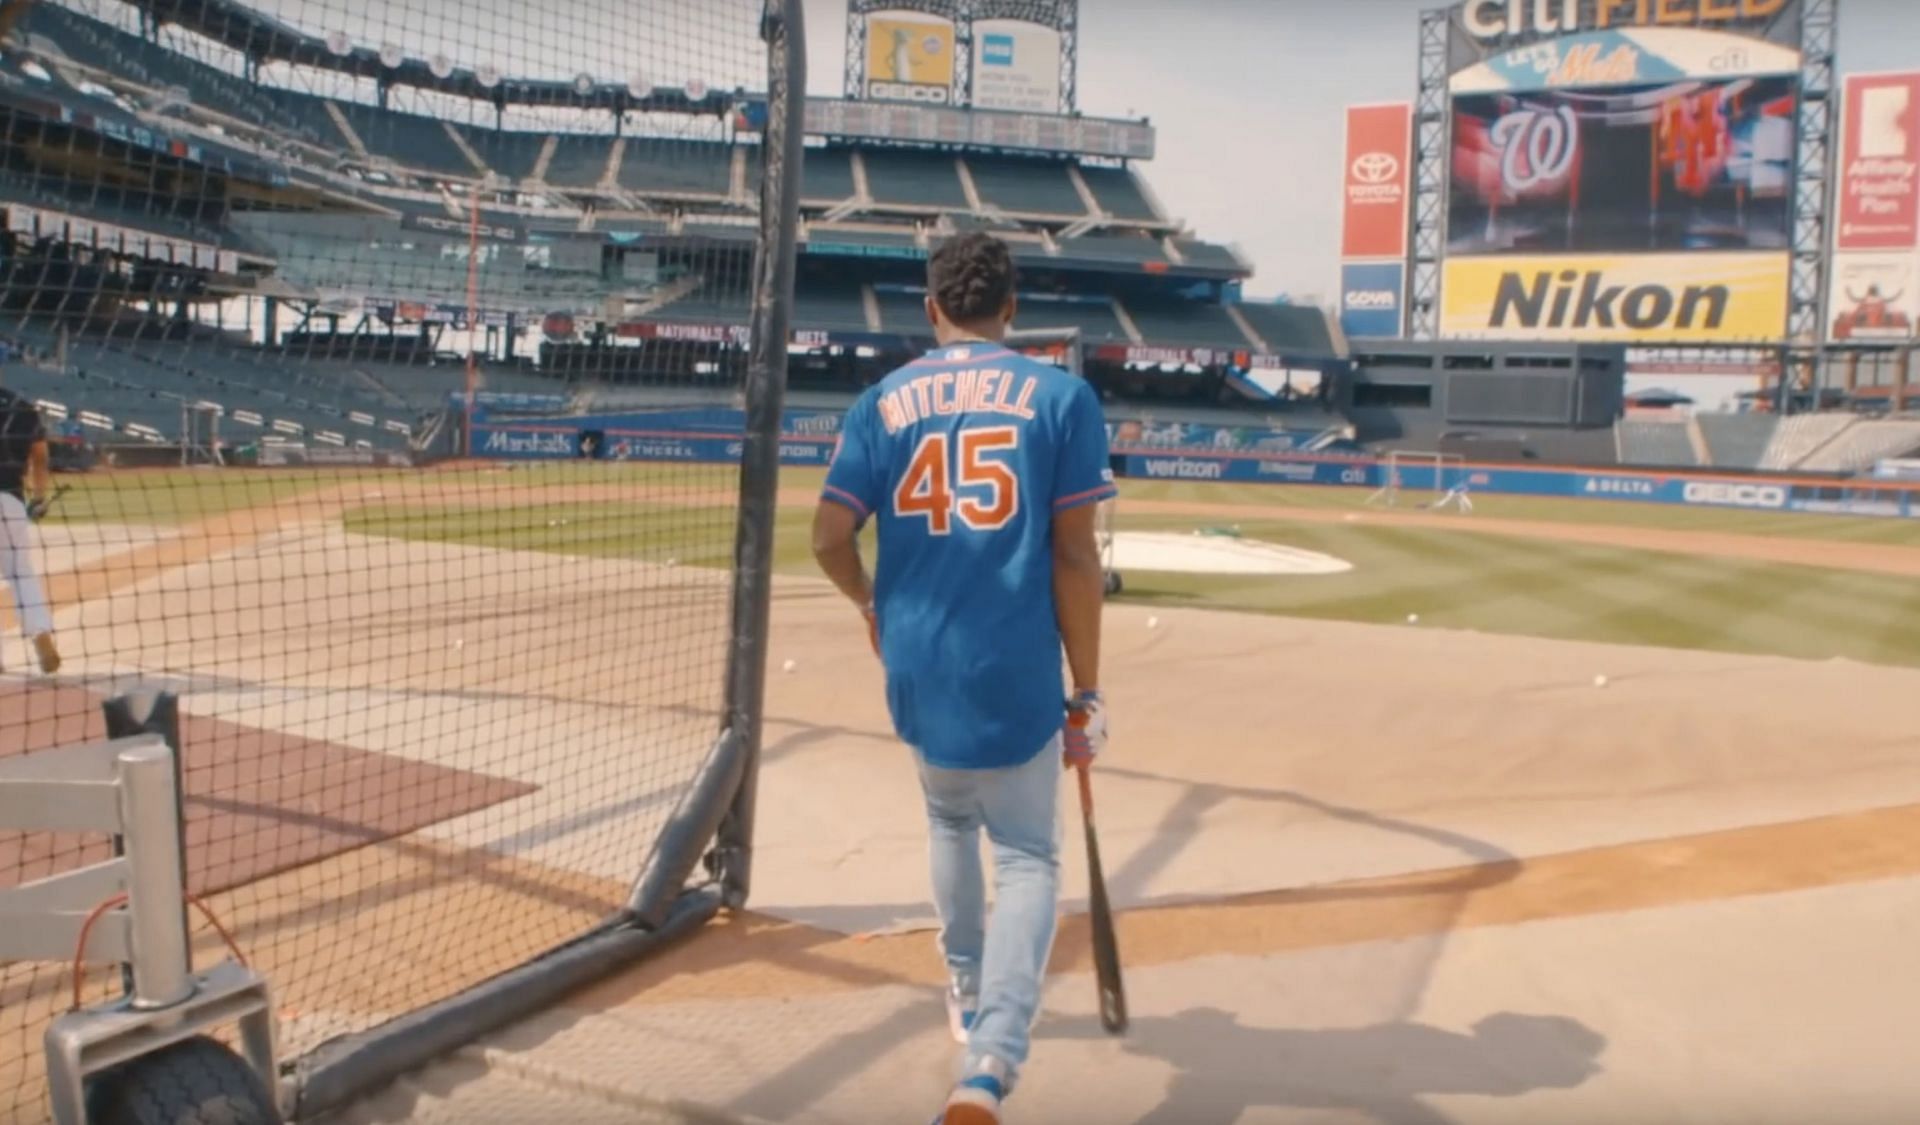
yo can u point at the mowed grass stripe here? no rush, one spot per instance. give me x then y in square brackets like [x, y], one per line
[1562, 590]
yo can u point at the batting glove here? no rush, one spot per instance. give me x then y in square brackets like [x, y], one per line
[1085, 734]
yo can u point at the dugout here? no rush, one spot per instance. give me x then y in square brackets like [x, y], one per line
[1509, 400]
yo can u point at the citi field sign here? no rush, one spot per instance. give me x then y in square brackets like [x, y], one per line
[1498, 21]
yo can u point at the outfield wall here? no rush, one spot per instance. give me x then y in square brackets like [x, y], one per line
[808, 437]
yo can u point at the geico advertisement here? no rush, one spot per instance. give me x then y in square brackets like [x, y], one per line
[1640, 298]
[910, 58]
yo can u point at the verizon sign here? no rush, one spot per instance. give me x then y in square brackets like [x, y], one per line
[1374, 216]
[1879, 205]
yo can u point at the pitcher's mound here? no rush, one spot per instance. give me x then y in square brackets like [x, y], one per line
[1215, 554]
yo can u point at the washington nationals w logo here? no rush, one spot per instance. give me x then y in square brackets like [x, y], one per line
[1536, 147]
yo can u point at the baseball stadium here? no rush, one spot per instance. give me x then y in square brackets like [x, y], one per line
[419, 700]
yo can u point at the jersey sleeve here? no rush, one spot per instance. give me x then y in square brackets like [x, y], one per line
[856, 479]
[1082, 472]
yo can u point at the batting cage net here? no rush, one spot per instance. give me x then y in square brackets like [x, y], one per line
[410, 374]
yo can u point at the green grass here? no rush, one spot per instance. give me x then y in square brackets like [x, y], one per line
[184, 495]
[1452, 578]
[1564, 590]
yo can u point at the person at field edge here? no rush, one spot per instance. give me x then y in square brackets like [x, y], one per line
[982, 469]
[23, 472]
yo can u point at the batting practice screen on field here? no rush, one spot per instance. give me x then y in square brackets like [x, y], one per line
[436, 712]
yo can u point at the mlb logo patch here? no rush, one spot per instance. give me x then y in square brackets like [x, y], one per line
[998, 50]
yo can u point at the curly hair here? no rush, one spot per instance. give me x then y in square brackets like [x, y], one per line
[971, 277]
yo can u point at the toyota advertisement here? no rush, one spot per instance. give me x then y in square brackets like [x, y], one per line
[1378, 181]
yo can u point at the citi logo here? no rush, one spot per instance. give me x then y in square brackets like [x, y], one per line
[1375, 168]
[999, 51]
[1583, 299]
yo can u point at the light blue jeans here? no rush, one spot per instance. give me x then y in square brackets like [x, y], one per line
[1019, 809]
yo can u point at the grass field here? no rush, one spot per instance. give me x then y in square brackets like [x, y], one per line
[1451, 578]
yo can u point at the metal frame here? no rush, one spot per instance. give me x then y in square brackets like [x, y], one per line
[1427, 217]
[714, 819]
[128, 788]
[1456, 494]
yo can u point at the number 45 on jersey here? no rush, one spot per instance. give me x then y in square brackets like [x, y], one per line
[966, 476]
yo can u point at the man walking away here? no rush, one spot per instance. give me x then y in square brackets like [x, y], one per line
[982, 469]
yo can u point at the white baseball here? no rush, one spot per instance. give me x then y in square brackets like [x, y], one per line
[1153, 622]
[1600, 681]
[788, 666]
[459, 643]
[1413, 619]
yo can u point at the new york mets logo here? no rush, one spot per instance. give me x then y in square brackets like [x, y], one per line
[1694, 140]
[1536, 147]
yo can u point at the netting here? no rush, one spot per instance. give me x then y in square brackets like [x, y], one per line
[338, 316]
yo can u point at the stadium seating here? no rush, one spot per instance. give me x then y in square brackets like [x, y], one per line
[1864, 445]
[408, 139]
[829, 175]
[1096, 320]
[1177, 323]
[513, 155]
[1659, 443]
[1119, 194]
[1290, 329]
[103, 47]
[678, 167]
[1129, 249]
[1205, 254]
[830, 304]
[579, 161]
[1737, 441]
[1038, 187]
[914, 179]
[1799, 435]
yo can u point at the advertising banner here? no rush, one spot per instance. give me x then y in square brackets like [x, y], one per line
[1875, 296]
[1016, 66]
[1689, 165]
[909, 58]
[1625, 57]
[1373, 299]
[1378, 179]
[1878, 207]
[1626, 298]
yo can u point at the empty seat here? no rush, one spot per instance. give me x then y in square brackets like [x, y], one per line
[915, 179]
[1659, 443]
[1026, 186]
[1119, 194]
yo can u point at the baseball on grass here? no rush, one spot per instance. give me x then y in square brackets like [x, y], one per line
[788, 666]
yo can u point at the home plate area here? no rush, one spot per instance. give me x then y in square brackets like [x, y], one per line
[1216, 552]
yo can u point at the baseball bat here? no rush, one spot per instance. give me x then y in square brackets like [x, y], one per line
[1106, 947]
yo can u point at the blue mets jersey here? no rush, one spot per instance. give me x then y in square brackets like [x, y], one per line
[963, 457]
